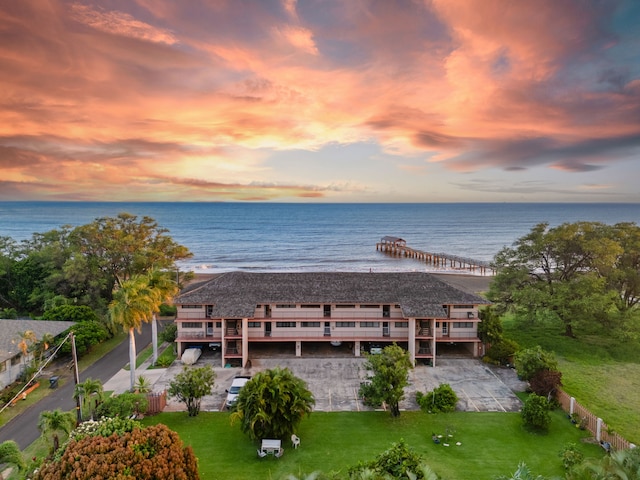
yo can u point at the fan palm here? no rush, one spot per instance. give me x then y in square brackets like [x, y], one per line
[54, 422]
[133, 303]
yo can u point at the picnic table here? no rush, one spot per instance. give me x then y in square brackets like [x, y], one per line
[271, 446]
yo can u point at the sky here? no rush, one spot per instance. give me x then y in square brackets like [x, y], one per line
[320, 100]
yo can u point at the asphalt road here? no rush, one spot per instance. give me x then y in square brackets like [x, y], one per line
[23, 429]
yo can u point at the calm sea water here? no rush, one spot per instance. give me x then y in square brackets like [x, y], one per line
[319, 237]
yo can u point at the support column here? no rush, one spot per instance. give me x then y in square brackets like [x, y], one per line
[433, 341]
[412, 341]
[356, 348]
[298, 348]
[223, 341]
[245, 341]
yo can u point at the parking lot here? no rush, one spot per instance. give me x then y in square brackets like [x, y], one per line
[334, 382]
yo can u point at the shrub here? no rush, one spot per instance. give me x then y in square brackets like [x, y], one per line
[123, 405]
[535, 412]
[441, 399]
[168, 310]
[571, 456]
[533, 360]
[152, 452]
[168, 333]
[545, 383]
[503, 351]
[396, 462]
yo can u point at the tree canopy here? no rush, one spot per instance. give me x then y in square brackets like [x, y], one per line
[190, 385]
[585, 275]
[272, 404]
[389, 377]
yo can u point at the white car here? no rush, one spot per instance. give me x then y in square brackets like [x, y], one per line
[191, 356]
[234, 390]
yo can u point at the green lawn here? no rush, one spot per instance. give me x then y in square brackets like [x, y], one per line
[599, 371]
[491, 443]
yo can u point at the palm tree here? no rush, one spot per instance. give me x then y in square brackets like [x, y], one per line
[522, 473]
[164, 288]
[619, 465]
[272, 404]
[10, 453]
[27, 339]
[133, 303]
[91, 394]
[54, 422]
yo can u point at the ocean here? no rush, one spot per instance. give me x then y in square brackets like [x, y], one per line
[296, 237]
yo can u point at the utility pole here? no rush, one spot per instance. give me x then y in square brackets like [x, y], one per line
[76, 378]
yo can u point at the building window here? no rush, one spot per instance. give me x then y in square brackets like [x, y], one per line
[465, 307]
[346, 324]
[286, 324]
[401, 324]
[190, 306]
[218, 324]
[191, 324]
[310, 324]
[345, 306]
[15, 360]
[462, 324]
[310, 306]
[254, 324]
[3, 366]
[369, 324]
[209, 311]
[286, 305]
[369, 306]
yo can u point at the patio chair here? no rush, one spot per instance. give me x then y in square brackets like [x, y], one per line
[295, 441]
[262, 453]
[279, 453]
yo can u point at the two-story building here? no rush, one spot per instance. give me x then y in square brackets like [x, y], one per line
[415, 310]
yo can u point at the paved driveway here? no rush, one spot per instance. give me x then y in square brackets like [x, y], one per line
[334, 382]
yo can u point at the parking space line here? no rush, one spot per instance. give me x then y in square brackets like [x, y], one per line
[495, 399]
[469, 399]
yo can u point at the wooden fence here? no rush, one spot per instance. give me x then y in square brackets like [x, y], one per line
[589, 421]
[157, 402]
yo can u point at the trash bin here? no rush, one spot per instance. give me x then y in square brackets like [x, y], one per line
[53, 382]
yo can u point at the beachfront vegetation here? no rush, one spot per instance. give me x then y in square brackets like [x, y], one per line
[272, 404]
[584, 276]
[389, 374]
[191, 385]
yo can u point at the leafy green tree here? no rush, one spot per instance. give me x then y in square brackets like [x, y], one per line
[91, 394]
[87, 335]
[546, 383]
[272, 404]
[191, 385]
[71, 313]
[441, 399]
[502, 352]
[133, 303]
[54, 422]
[169, 333]
[117, 248]
[535, 412]
[559, 273]
[490, 328]
[625, 277]
[390, 375]
[10, 454]
[530, 361]
[142, 453]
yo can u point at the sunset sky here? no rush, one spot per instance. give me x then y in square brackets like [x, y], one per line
[320, 100]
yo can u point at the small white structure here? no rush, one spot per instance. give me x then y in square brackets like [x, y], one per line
[191, 356]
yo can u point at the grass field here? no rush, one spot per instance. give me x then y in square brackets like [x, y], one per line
[491, 443]
[600, 372]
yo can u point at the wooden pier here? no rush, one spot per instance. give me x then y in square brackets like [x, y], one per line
[398, 247]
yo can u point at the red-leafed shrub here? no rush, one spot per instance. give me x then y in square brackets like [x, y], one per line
[148, 453]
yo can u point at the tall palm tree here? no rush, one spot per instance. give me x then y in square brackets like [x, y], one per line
[164, 288]
[91, 394]
[10, 453]
[133, 303]
[54, 422]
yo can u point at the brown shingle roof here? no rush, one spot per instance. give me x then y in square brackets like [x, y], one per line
[236, 294]
[11, 330]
